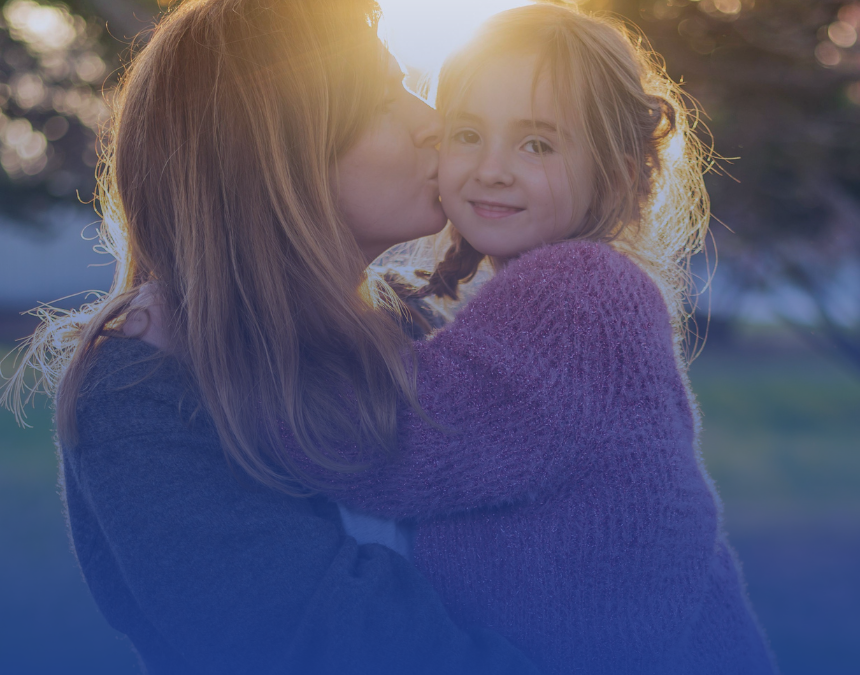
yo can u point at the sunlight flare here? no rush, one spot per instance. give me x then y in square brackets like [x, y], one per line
[421, 34]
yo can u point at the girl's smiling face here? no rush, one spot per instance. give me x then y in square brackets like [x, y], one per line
[504, 181]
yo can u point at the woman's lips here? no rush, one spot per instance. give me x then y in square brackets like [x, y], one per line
[495, 210]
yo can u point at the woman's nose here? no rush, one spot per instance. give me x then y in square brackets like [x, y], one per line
[494, 169]
[427, 131]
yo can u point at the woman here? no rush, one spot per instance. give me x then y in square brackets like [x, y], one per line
[263, 152]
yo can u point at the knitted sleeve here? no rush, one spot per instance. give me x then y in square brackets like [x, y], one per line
[556, 360]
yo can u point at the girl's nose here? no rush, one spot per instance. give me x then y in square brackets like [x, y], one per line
[494, 169]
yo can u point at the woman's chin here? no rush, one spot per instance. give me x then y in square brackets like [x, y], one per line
[436, 223]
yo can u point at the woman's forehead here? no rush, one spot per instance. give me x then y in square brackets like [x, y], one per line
[394, 70]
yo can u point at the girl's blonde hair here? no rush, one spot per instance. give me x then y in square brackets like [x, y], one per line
[649, 197]
[216, 185]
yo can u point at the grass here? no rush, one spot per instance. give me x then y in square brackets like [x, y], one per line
[781, 439]
[781, 431]
[49, 624]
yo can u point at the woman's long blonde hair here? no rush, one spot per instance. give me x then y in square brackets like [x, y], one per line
[216, 185]
[649, 198]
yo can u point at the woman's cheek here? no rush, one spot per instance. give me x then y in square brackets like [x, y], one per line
[446, 193]
[451, 176]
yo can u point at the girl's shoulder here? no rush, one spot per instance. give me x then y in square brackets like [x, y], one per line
[584, 272]
[572, 290]
[581, 260]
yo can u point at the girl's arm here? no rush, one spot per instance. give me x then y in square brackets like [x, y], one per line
[565, 356]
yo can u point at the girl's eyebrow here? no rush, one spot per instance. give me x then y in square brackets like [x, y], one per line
[466, 117]
[537, 125]
[529, 125]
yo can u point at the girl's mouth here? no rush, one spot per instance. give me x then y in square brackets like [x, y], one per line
[494, 209]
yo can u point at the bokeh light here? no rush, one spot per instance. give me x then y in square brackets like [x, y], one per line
[724, 10]
[54, 78]
[728, 7]
[850, 14]
[842, 34]
[828, 54]
[43, 28]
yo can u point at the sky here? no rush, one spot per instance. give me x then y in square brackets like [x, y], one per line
[421, 34]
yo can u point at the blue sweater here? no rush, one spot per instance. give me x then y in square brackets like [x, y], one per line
[209, 572]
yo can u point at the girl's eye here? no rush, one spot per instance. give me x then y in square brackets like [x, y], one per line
[467, 136]
[538, 147]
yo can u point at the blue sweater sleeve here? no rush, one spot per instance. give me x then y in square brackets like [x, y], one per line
[208, 572]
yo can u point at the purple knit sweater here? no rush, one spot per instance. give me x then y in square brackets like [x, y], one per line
[559, 498]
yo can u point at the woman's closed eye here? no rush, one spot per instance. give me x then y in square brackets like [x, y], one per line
[537, 146]
[386, 104]
[393, 91]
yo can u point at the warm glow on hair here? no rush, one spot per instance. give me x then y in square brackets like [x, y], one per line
[216, 185]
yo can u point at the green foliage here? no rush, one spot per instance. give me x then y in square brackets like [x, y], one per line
[780, 81]
[58, 65]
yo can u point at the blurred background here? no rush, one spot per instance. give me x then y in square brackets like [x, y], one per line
[778, 379]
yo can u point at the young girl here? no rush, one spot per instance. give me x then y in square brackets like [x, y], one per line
[552, 472]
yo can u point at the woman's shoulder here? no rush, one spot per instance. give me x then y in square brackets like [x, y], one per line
[120, 363]
[130, 387]
[114, 352]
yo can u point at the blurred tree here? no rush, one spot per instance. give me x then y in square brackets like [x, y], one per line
[779, 80]
[58, 66]
[780, 83]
